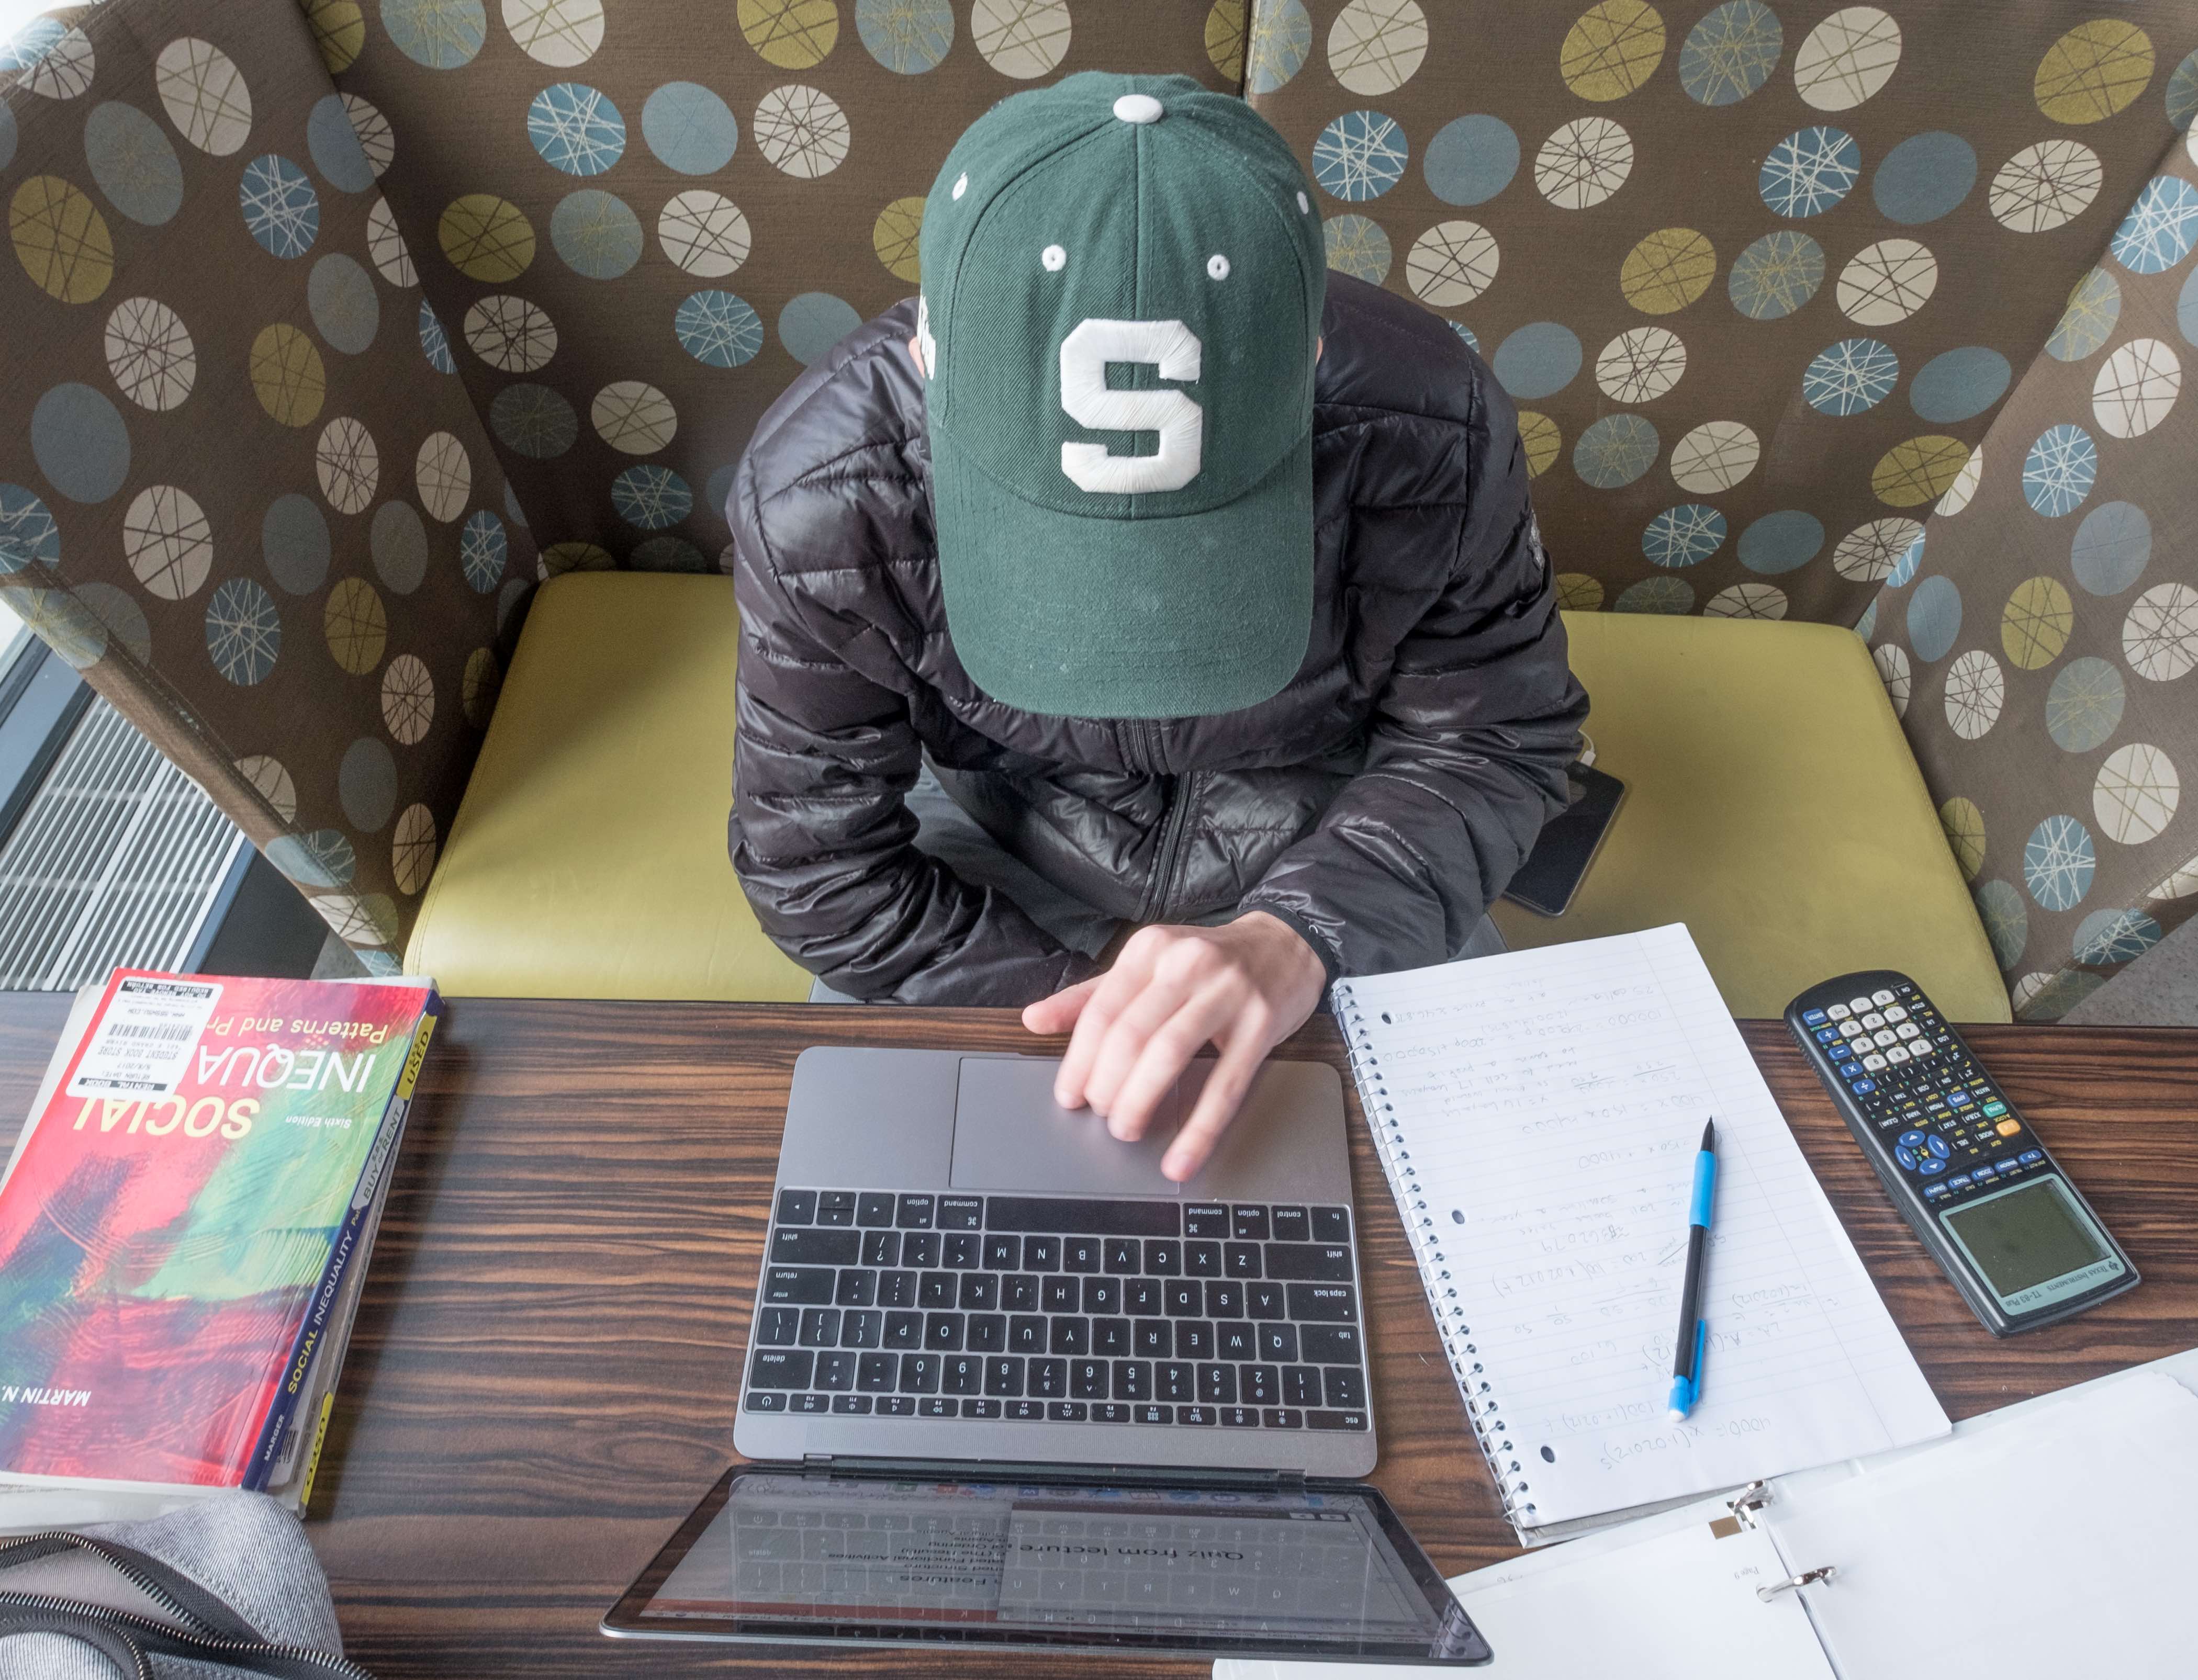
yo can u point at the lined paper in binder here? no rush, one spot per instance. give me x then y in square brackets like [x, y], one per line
[1538, 1114]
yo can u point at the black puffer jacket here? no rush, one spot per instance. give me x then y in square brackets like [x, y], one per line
[1377, 804]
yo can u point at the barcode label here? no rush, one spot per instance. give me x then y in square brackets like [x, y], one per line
[142, 1044]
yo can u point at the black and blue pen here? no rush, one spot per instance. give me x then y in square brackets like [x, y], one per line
[1694, 1329]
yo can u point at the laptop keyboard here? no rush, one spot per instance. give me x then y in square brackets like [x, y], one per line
[1059, 1310]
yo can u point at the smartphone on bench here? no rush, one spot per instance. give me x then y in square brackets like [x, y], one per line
[1553, 871]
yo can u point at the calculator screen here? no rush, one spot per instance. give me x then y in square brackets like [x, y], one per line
[2027, 1237]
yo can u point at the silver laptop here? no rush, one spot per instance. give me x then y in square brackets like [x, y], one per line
[957, 1268]
[1011, 1387]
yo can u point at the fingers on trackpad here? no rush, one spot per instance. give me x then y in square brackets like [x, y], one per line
[1011, 1135]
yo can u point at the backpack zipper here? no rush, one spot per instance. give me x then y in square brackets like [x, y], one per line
[146, 1583]
[214, 1648]
[196, 1630]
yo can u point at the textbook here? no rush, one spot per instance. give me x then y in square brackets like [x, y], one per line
[184, 1232]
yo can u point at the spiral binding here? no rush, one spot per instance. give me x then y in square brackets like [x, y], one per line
[1483, 1407]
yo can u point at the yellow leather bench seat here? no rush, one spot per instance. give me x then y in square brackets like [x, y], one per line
[587, 859]
[1772, 806]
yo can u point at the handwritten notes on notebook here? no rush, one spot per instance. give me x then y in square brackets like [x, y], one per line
[1538, 1115]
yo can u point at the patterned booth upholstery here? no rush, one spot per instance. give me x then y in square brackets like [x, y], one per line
[335, 326]
[2035, 642]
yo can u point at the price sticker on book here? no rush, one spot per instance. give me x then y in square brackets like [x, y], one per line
[142, 1043]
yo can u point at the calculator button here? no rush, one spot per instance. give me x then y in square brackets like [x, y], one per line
[1828, 1035]
[1906, 1156]
[1896, 1054]
[1873, 1021]
[1984, 1171]
[1922, 1047]
[1859, 1005]
[1960, 1181]
[1907, 1030]
[1993, 1110]
[1839, 1012]
[1849, 1069]
[1812, 1018]
[1882, 1039]
[1938, 1148]
[2030, 1157]
[1913, 1140]
[1863, 1087]
[1873, 1063]
[1896, 1013]
[1853, 1029]
[1931, 1164]
[1960, 1099]
[1934, 1191]
[2008, 1128]
[2006, 1163]
[1881, 996]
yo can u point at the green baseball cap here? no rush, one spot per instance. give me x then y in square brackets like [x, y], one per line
[1120, 313]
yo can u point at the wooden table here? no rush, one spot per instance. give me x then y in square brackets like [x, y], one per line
[543, 1376]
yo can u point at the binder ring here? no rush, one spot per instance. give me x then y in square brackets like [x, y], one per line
[1827, 1574]
[1748, 1502]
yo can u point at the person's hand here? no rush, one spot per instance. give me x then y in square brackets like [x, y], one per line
[1242, 987]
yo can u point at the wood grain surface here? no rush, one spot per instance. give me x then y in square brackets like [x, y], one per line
[544, 1373]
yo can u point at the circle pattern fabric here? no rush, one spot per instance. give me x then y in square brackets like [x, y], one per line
[2096, 440]
[215, 202]
[689, 129]
[1761, 283]
[133, 162]
[1471, 158]
[575, 128]
[1830, 245]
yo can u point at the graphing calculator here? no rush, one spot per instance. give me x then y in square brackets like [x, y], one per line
[1964, 1167]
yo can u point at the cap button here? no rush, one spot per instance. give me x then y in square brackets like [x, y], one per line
[1138, 107]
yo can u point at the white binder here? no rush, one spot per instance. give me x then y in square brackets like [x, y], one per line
[2054, 1540]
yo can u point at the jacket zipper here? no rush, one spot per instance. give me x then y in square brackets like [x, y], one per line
[1139, 740]
[1183, 799]
[1129, 740]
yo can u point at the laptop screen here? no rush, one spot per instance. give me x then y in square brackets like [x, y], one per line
[1325, 1572]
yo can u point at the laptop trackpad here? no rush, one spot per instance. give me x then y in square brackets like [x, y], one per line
[1011, 1135]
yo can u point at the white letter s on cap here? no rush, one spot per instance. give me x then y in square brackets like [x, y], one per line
[1174, 350]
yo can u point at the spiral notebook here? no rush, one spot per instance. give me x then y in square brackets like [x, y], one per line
[1538, 1115]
